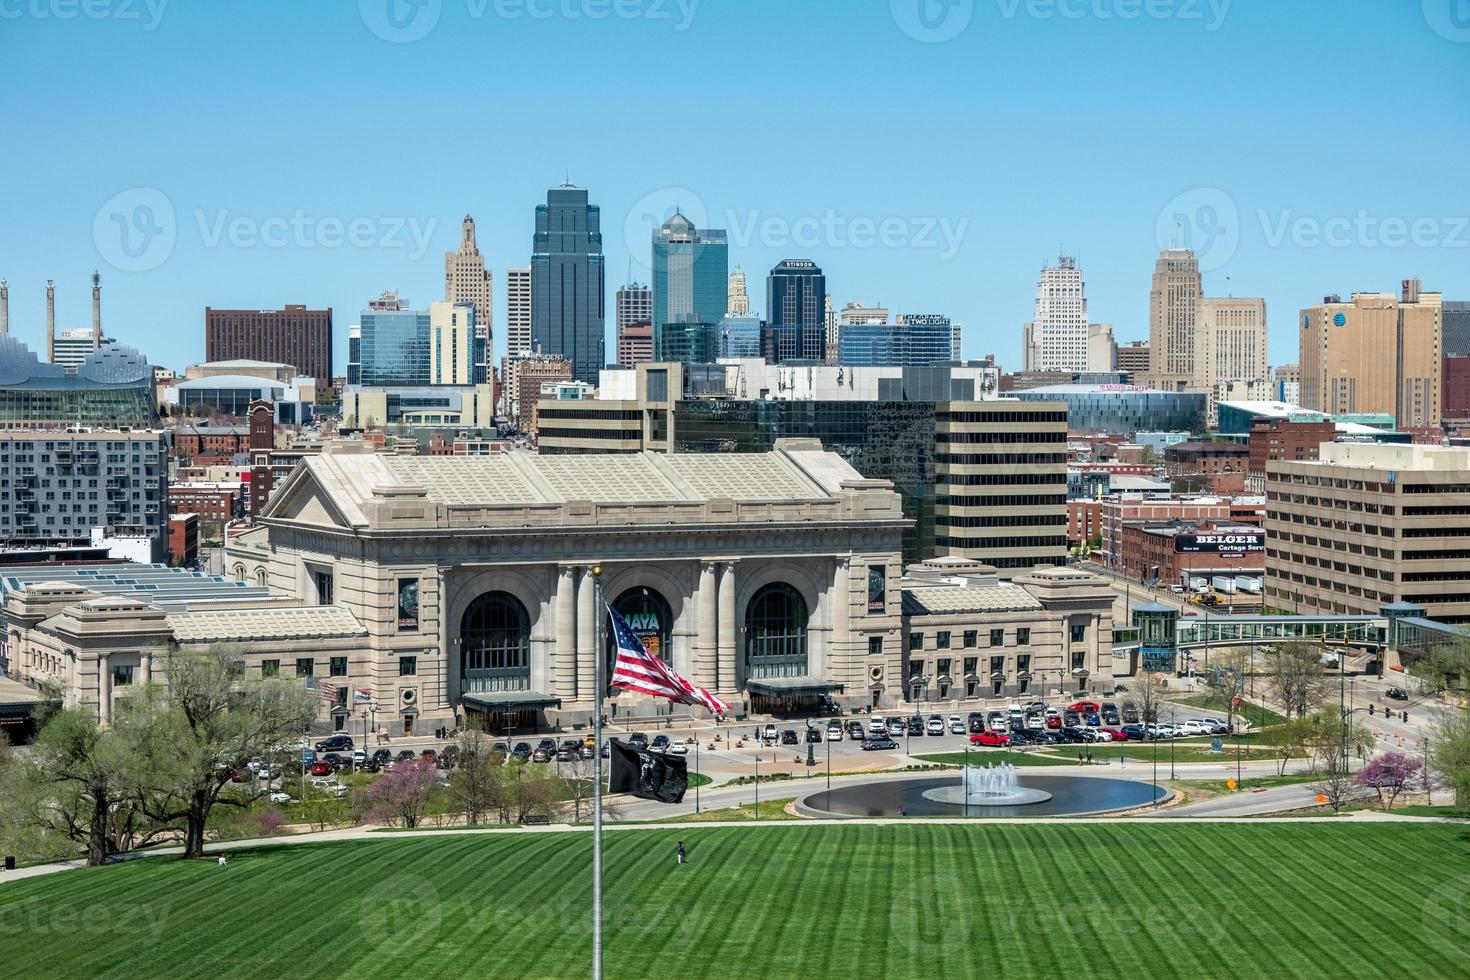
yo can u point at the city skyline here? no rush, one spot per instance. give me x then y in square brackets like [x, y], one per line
[968, 239]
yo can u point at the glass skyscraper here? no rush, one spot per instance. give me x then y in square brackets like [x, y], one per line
[686, 342]
[915, 341]
[394, 346]
[796, 294]
[740, 336]
[690, 273]
[567, 293]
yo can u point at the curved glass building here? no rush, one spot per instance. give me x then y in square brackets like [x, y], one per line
[113, 386]
[1123, 409]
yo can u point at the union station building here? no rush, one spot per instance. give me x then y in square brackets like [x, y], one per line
[430, 591]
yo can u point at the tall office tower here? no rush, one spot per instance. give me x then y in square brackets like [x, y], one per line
[467, 280]
[568, 315]
[634, 305]
[4, 306]
[96, 309]
[1133, 358]
[395, 343]
[956, 342]
[50, 322]
[1102, 349]
[1056, 337]
[1173, 317]
[354, 354]
[855, 313]
[1375, 353]
[517, 310]
[796, 293]
[294, 335]
[740, 335]
[635, 344]
[452, 344]
[691, 269]
[830, 329]
[1232, 341]
[916, 340]
[1000, 470]
[737, 301]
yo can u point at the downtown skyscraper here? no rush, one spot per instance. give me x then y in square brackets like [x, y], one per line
[1173, 319]
[568, 315]
[468, 281]
[796, 294]
[1056, 337]
[690, 273]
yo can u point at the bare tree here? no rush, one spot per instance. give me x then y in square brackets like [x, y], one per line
[475, 781]
[1145, 694]
[1449, 754]
[1295, 671]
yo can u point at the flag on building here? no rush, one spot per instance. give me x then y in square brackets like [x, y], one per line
[637, 670]
[363, 694]
[647, 775]
[327, 690]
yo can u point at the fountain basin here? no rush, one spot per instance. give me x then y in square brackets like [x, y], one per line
[956, 796]
[907, 796]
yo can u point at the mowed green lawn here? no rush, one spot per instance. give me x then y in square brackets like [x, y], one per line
[930, 901]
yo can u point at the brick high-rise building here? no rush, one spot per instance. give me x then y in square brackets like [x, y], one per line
[294, 335]
[1133, 358]
[635, 344]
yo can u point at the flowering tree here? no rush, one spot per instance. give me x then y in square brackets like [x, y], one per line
[1389, 773]
[404, 793]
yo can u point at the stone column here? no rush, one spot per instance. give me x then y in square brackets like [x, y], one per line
[146, 667]
[841, 665]
[704, 640]
[729, 630]
[586, 679]
[564, 663]
[104, 690]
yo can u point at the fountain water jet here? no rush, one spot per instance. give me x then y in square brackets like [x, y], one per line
[988, 786]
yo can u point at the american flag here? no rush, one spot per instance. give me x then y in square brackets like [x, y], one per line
[637, 670]
[327, 690]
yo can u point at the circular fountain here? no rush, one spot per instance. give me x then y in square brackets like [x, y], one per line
[988, 786]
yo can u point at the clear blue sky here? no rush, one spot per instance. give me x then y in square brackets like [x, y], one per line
[813, 128]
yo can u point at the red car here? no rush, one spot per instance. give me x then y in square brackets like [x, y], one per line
[1085, 708]
[321, 768]
[990, 738]
[1053, 721]
[1118, 734]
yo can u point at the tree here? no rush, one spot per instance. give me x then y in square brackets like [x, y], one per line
[1449, 754]
[477, 777]
[1145, 693]
[1390, 773]
[189, 737]
[1296, 673]
[1287, 741]
[403, 793]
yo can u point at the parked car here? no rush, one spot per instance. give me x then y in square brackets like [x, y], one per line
[1130, 715]
[640, 741]
[916, 725]
[358, 757]
[337, 762]
[1101, 735]
[568, 751]
[545, 751]
[335, 743]
[834, 731]
[788, 737]
[896, 727]
[990, 738]
[813, 735]
[241, 776]
[660, 743]
[429, 755]
[1072, 733]
[877, 726]
[371, 766]
[280, 798]
[1116, 734]
[1053, 722]
[405, 755]
[588, 751]
[956, 725]
[330, 787]
[321, 767]
[1193, 726]
[996, 721]
[1085, 707]
[680, 746]
[1093, 721]
[935, 725]
[876, 742]
[1110, 713]
[976, 722]
[1397, 694]
[521, 753]
[855, 731]
[382, 756]
[1036, 708]
[1135, 732]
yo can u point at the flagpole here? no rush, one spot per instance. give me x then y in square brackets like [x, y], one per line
[597, 776]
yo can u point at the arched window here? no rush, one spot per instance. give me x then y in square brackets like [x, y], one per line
[775, 633]
[495, 645]
[260, 576]
[239, 573]
[650, 618]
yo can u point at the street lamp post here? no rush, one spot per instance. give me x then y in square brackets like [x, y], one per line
[757, 783]
[696, 772]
